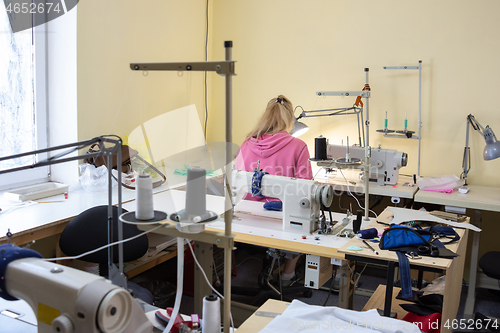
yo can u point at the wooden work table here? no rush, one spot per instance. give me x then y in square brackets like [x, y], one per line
[478, 198]
[453, 268]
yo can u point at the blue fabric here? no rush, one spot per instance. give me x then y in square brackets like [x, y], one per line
[399, 236]
[404, 273]
[9, 253]
[273, 205]
[257, 183]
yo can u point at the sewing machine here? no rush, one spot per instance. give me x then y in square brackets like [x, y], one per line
[301, 198]
[384, 163]
[67, 300]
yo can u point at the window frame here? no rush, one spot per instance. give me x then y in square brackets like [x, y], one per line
[40, 174]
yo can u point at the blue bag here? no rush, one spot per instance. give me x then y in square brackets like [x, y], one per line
[400, 236]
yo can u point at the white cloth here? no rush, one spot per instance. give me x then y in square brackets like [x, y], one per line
[302, 317]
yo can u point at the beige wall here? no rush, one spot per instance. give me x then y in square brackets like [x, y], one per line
[297, 47]
[112, 34]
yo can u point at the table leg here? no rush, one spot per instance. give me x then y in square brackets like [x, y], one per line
[420, 278]
[471, 292]
[204, 254]
[346, 287]
[389, 288]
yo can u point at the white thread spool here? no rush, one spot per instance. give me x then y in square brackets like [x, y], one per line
[144, 197]
[211, 314]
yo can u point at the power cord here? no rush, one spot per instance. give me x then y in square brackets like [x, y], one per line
[104, 246]
[208, 282]
[334, 274]
[352, 195]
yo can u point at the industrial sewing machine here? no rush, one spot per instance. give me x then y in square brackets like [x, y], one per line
[66, 300]
[302, 198]
[384, 163]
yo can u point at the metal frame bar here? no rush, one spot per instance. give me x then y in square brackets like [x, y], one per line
[419, 136]
[221, 67]
[338, 112]
[115, 275]
[225, 240]
[366, 95]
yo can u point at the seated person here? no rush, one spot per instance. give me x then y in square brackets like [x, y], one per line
[279, 154]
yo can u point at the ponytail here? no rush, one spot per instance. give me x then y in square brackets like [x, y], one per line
[277, 117]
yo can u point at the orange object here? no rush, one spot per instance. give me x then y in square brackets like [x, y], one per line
[358, 99]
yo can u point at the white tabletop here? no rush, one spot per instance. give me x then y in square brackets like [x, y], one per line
[357, 186]
[251, 219]
[478, 197]
[28, 216]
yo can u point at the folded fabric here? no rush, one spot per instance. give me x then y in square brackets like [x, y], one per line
[273, 205]
[450, 190]
[301, 317]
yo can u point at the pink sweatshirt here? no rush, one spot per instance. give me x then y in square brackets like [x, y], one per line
[279, 154]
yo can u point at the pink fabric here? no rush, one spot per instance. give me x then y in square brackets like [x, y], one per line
[279, 154]
[442, 191]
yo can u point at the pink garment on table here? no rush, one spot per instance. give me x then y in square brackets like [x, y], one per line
[279, 154]
[442, 191]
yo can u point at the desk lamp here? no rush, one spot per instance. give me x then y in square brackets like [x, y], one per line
[300, 128]
[491, 151]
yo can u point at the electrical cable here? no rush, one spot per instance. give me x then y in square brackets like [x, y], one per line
[180, 281]
[353, 273]
[334, 274]
[248, 258]
[104, 246]
[208, 282]
[352, 195]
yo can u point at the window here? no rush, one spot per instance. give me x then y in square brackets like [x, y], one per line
[22, 101]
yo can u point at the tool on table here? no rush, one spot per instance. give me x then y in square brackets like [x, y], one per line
[370, 247]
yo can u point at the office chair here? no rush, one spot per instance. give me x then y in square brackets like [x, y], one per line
[489, 265]
[89, 230]
[265, 290]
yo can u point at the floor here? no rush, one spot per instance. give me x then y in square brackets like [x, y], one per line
[248, 261]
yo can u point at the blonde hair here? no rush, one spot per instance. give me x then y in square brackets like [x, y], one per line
[278, 117]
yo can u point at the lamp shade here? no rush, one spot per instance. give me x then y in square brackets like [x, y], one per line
[492, 149]
[298, 128]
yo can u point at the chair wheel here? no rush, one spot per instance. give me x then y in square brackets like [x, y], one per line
[308, 293]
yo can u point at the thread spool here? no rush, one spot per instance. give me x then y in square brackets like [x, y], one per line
[211, 314]
[144, 198]
[319, 149]
[196, 192]
[368, 233]
[356, 224]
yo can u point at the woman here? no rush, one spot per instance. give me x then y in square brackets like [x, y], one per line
[271, 148]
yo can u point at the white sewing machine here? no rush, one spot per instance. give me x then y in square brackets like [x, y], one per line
[301, 198]
[384, 163]
[67, 300]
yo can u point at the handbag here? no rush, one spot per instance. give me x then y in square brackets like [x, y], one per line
[421, 242]
[128, 154]
[400, 236]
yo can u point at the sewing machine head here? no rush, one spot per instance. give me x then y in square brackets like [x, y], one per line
[302, 198]
[384, 163]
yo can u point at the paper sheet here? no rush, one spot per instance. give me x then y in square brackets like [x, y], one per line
[404, 215]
